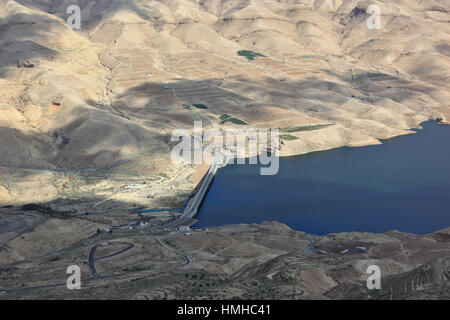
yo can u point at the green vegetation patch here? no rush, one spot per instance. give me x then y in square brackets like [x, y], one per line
[306, 56]
[45, 209]
[288, 137]
[225, 116]
[228, 118]
[236, 121]
[195, 105]
[200, 106]
[305, 128]
[250, 55]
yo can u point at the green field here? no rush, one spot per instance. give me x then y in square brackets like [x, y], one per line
[305, 128]
[195, 105]
[228, 118]
[46, 210]
[200, 106]
[250, 55]
[288, 137]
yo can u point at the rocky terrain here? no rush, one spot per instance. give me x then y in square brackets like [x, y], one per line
[87, 117]
[267, 261]
[87, 113]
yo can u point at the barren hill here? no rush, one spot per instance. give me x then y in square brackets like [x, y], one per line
[85, 113]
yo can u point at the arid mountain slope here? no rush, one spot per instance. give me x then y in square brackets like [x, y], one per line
[266, 261]
[84, 113]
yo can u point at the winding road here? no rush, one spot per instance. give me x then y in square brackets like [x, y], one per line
[92, 258]
[96, 276]
[189, 212]
[194, 203]
[184, 255]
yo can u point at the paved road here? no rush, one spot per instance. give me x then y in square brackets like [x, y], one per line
[92, 258]
[194, 204]
[185, 256]
[88, 170]
[189, 212]
[309, 246]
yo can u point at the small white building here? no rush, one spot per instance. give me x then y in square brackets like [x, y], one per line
[184, 229]
[132, 186]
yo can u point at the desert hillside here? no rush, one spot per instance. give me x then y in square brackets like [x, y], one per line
[87, 115]
[265, 261]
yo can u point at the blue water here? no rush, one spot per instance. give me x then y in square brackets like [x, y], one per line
[403, 184]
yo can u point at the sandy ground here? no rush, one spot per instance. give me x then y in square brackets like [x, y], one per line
[85, 114]
[266, 261]
[86, 118]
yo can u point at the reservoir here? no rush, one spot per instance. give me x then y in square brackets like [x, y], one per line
[402, 184]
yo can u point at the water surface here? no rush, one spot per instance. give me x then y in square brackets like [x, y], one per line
[403, 184]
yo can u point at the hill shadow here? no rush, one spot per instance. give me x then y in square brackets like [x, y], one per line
[16, 48]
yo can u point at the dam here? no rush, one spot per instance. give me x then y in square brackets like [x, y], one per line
[402, 184]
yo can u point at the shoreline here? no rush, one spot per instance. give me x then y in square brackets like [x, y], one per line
[181, 194]
[342, 233]
[419, 129]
